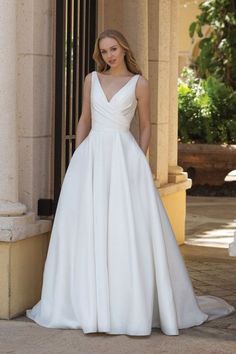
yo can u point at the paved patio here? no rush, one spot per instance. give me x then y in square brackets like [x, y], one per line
[210, 222]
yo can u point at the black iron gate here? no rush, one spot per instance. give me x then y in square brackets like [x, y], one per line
[75, 37]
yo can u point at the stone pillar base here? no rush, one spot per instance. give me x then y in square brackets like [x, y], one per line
[173, 196]
[21, 271]
[8, 208]
[23, 249]
[15, 228]
[176, 174]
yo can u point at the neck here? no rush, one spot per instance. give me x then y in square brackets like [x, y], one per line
[119, 71]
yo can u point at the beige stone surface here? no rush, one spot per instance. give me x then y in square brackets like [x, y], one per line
[25, 26]
[17, 228]
[159, 33]
[175, 187]
[138, 38]
[4, 278]
[8, 136]
[177, 178]
[11, 208]
[159, 95]
[21, 270]
[25, 95]
[108, 18]
[26, 36]
[15, 222]
[27, 264]
[173, 106]
[175, 204]
[163, 82]
[26, 100]
[34, 23]
[35, 94]
[117, 15]
[35, 170]
[162, 153]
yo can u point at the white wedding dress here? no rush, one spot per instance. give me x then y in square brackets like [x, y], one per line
[113, 264]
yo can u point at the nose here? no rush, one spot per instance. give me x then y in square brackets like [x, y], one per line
[109, 55]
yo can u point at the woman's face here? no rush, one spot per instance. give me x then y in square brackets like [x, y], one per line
[111, 52]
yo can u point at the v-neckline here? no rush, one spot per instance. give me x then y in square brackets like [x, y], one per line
[120, 89]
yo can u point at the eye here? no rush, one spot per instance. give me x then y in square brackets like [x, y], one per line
[114, 49]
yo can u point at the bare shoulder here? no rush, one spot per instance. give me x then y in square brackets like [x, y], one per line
[87, 82]
[88, 78]
[142, 81]
[142, 87]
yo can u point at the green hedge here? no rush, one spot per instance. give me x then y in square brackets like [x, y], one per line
[207, 110]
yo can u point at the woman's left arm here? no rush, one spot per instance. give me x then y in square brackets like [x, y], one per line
[142, 95]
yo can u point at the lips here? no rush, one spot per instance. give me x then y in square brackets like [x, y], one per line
[112, 61]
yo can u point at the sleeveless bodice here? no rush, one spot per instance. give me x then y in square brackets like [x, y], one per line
[117, 113]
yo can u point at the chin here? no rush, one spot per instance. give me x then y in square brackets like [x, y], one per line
[115, 65]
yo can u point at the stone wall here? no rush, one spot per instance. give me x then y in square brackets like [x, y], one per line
[26, 121]
[207, 164]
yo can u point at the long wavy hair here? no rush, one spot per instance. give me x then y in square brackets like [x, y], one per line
[130, 61]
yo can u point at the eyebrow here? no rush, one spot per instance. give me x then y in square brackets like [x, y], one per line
[115, 45]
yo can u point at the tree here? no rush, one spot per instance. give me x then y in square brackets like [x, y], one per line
[218, 49]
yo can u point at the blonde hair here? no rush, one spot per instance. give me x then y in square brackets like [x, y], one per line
[130, 61]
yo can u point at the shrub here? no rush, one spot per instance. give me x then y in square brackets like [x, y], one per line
[207, 110]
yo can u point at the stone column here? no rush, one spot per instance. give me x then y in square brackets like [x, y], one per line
[159, 39]
[15, 222]
[175, 172]
[120, 15]
[35, 104]
[9, 204]
[23, 165]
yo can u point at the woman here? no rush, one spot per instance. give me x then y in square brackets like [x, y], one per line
[113, 264]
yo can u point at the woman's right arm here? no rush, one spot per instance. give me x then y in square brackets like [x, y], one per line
[84, 124]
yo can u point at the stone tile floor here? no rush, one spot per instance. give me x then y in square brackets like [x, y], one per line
[211, 221]
[213, 272]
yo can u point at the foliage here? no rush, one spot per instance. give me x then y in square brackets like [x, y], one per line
[207, 110]
[218, 49]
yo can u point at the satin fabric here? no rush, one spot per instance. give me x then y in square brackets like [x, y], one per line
[113, 264]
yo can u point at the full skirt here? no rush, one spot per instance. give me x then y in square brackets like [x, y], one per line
[113, 264]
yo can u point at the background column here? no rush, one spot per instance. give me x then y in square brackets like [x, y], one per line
[9, 204]
[117, 15]
[25, 149]
[176, 173]
[158, 60]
